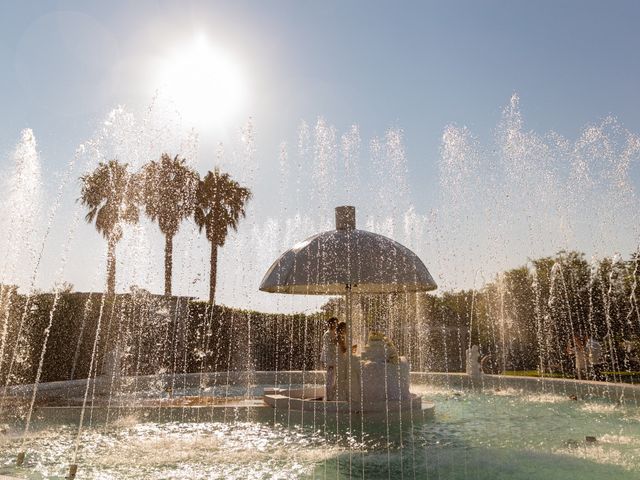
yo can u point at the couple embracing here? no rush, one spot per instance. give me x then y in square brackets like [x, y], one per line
[343, 368]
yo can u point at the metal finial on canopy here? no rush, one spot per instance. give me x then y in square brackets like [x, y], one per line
[345, 218]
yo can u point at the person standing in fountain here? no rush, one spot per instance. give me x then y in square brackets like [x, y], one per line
[347, 369]
[578, 349]
[328, 358]
[593, 350]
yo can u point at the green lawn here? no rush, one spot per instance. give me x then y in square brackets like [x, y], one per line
[534, 373]
[627, 377]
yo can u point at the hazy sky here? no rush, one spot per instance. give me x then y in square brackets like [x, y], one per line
[418, 66]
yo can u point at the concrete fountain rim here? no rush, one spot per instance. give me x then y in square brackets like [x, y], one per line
[487, 382]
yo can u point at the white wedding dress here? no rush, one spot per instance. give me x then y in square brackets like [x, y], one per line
[347, 372]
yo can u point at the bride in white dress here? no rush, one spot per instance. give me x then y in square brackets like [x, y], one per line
[347, 369]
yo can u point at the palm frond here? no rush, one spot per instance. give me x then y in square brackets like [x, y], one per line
[220, 203]
[110, 195]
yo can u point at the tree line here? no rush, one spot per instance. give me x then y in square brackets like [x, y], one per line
[169, 192]
[526, 319]
[139, 333]
[531, 317]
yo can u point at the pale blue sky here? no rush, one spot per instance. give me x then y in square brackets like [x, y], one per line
[415, 65]
[419, 65]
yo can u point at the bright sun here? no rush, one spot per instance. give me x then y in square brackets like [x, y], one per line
[205, 82]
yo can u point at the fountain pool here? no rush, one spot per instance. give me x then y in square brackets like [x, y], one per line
[499, 431]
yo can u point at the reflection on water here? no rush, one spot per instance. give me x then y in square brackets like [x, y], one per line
[480, 436]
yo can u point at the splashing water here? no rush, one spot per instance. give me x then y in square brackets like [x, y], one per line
[520, 194]
[20, 211]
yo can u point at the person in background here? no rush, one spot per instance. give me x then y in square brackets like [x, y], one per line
[595, 357]
[631, 348]
[328, 357]
[578, 350]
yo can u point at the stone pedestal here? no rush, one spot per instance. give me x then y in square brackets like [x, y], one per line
[385, 375]
[474, 369]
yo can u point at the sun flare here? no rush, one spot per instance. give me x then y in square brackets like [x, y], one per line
[205, 82]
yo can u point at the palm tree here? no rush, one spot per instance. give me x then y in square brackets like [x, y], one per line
[169, 187]
[220, 202]
[110, 194]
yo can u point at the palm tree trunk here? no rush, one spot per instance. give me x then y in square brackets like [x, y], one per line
[111, 267]
[168, 263]
[213, 273]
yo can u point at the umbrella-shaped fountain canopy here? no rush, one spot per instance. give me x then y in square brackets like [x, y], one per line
[330, 262]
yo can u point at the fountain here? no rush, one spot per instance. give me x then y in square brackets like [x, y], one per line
[349, 262]
[137, 385]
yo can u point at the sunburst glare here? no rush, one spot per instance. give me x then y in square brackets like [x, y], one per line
[205, 81]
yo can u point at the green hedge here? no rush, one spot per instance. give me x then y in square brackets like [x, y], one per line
[151, 334]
